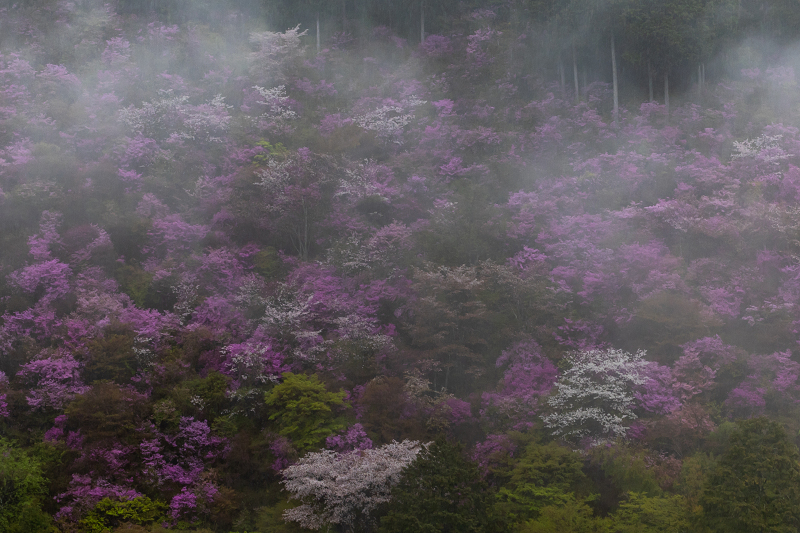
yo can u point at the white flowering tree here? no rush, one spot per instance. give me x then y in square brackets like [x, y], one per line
[595, 396]
[174, 117]
[388, 120]
[345, 488]
[275, 53]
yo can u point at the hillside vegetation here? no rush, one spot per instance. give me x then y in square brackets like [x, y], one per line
[465, 279]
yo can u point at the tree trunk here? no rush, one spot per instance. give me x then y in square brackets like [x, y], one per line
[614, 80]
[575, 75]
[344, 15]
[561, 73]
[317, 31]
[699, 80]
[666, 93]
[422, 22]
[650, 80]
[703, 73]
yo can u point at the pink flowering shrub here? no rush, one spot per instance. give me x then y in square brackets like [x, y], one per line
[527, 379]
[4, 411]
[352, 438]
[493, 452]
[53, 380]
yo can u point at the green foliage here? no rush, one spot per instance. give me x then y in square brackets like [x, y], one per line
[111, 356]
[129, 235]
[645, 514]
[545, 475]
[30, 518]
[268, 263]
[573, 517]
[440, 492]
[627, 470]
[276, 151]
[134, 282]
[270, 519]
[694, 471]
[109, 513]
[549, 465]
[224, 426]
[462, 236]
[755, 485]
[211, 391]
[165, 415]
[384, 401]
[304, 410]
[527, 500]
[663, 323]
[108, 413]
[21, 487]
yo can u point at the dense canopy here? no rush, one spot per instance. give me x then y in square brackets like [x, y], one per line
[272, 265]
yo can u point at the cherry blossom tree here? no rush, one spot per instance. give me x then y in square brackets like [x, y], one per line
[345, 488]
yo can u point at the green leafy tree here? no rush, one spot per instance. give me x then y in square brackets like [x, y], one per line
[108, 513]
[545, 475]
[572, 517]
[440, 491]
[646, 514]
[108, 413]
[755, 485]
[21, 487]
[626, 469]
[304, 410]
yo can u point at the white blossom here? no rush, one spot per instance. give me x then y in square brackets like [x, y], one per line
[277, 104]
[285, 310]
[344, 488]
[594, 396]
[186, 297]
[174, 116]
[763, 147]
[275, 52]
[389, 120]
[142, 351]
[274, 177]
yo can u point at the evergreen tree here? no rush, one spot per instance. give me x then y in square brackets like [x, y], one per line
[755, 486]
[440, 492]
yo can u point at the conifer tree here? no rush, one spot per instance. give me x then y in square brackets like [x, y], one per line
[755, 486]
[440, 492]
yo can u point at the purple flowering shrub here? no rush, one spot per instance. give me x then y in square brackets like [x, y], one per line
[443, 231]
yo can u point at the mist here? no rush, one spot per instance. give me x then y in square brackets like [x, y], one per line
[279, 266]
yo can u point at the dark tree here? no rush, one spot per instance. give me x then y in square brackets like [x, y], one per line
[755, 486]
[440, 492]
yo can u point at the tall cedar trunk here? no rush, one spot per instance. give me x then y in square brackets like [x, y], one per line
[575, 74]
[703, 73]
[699, 79]
[666, 93]
[422, 22]
[614, 80]
[317, 31]
[344, 15]
[650, 80]
[561, 73]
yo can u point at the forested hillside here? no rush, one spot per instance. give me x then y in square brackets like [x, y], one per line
[361, 266]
